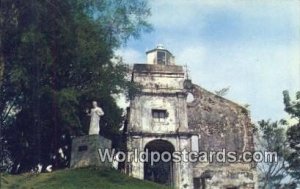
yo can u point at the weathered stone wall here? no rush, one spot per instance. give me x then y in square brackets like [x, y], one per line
[182, 171]
[162, 88]
[221, 124]
[141, 114]
[158, 78]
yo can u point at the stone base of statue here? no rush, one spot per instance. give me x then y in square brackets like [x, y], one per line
[85, 151]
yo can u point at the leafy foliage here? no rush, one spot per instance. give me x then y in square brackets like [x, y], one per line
[271, 138]
[56, 57]
[293, 133]
[283, 139]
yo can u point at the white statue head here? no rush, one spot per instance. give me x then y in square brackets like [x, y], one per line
[95, 104]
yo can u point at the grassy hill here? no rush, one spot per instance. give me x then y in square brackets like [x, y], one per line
[85, 178]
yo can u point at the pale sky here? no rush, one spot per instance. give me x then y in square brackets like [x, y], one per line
[251, 46]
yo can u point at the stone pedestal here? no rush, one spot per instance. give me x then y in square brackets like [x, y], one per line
[85, 151]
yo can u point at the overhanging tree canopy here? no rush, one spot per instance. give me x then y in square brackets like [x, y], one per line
[56, 56]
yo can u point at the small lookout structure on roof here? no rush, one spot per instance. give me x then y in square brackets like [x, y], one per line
[160, 55]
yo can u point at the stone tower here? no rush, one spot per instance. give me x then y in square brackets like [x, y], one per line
[158, 119]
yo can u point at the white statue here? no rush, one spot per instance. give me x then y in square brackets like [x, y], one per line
[95, 113]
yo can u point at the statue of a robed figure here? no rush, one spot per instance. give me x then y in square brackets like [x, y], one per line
[95, 113]
[85, 149]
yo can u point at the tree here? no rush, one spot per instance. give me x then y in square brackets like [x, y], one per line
[271, 138]
[293, 133]
[57, 57]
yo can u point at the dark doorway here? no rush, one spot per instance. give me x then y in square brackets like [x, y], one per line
[160, 172]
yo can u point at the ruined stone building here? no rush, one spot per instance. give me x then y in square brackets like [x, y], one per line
[160, 119]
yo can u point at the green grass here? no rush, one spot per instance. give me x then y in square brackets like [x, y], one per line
[84, 178]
